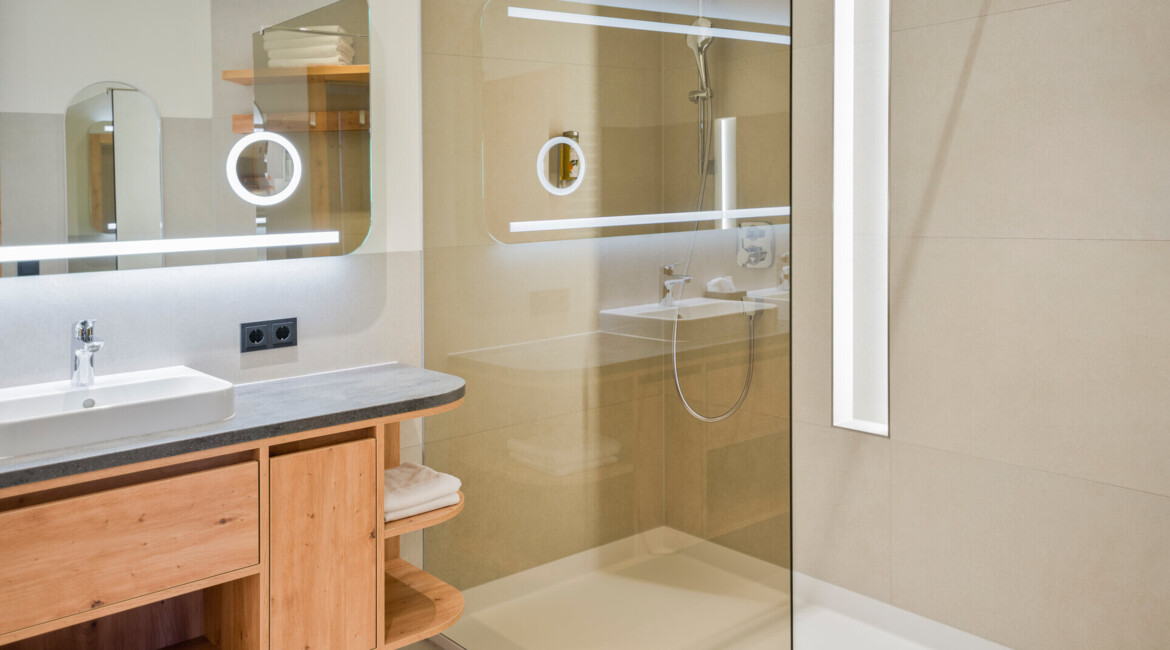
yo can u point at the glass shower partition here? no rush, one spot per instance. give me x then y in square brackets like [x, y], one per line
[606, 239]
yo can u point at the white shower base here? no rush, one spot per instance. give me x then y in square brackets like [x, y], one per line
[668, 590]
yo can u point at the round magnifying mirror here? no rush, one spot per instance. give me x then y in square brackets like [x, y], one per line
[264, 168]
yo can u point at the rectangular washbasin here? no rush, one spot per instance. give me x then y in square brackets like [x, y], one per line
[56, 415]
[703, 321]
[774, 296]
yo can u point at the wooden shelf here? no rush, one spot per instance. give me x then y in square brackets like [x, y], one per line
[354, 73]
[424, 520]
[306, 122]
[200, 643]
[418, 605]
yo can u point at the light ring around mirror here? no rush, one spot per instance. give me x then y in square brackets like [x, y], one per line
[542, 165]
[234, 157]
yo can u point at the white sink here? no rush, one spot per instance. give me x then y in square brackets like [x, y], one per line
[45, 417]
[701, 320]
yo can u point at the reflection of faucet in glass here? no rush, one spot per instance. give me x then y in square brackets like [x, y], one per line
[756, 254]
[785, 272]
[669, 281]
[83, 348]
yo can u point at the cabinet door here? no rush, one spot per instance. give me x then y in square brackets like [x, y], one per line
[324, 512]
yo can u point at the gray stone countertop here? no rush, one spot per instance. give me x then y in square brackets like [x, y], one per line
[264, 409]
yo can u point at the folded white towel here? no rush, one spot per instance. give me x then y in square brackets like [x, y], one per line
[312, 52]
[304, 63]
[721, 285]
[565, 448]
[285, 34]
[308, 41]
[562, 469]
[433, 504]
[410, 485]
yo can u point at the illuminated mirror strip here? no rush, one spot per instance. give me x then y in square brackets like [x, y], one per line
[648, 219]
[646, 25]
[861, 216]
[190, 245]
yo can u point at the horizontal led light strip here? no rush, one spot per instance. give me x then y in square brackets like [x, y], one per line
[648, 219]
[144, 247]
[647, 25]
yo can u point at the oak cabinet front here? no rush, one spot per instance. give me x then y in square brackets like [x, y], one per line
[324, 543]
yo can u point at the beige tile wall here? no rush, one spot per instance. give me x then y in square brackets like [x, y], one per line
[1022, 494]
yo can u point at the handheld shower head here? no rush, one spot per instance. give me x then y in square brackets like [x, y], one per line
[699, 45]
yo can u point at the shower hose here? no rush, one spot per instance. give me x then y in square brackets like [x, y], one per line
[706, 110]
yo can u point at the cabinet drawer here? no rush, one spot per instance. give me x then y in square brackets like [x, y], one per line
[78, 554]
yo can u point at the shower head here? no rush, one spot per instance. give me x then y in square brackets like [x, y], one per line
[699, 45]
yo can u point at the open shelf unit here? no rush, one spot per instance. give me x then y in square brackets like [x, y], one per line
[418, 605]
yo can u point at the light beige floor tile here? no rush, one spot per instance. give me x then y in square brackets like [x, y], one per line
[1026, 558]
[998, 133]
[841, 508]
[812, 336]
[1044, 353]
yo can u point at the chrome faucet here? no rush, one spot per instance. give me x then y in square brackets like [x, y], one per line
[670, 280]
[83, 348]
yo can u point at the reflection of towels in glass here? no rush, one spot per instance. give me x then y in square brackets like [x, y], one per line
[410, 485]
[562, 469]
[313, 52]
[562, 453]
[308, 41]
[283, 34]
[302, 63]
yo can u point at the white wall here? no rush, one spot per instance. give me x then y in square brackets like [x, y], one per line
[163, 48]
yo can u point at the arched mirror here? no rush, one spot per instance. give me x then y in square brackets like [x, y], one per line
[112, 169]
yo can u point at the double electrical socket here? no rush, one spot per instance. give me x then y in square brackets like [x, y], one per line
[268, 334]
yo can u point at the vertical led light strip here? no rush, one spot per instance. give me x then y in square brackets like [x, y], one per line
[860, 216]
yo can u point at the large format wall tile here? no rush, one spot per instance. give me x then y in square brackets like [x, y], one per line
[1044, 353]
[1027, 558]
[812, 335]
[908, 14]
[841, 508]
[1049, 123]
[812, 141]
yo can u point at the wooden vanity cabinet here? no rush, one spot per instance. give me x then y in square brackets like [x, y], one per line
[276, 544]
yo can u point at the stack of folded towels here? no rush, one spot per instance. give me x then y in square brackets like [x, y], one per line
[288, 49]
[565, 452]
[414, 489]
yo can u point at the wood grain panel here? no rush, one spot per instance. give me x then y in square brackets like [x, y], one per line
[418, 605]
[162, 624]
[113, 546]
[323, 555]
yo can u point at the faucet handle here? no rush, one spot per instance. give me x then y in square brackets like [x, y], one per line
[83, 330]
[670, 269]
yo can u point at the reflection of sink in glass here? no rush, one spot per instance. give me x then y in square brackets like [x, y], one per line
[702, 320]
[773, 296]
[45, 417]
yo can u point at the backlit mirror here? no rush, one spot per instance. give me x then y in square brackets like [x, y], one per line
[176, 133]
